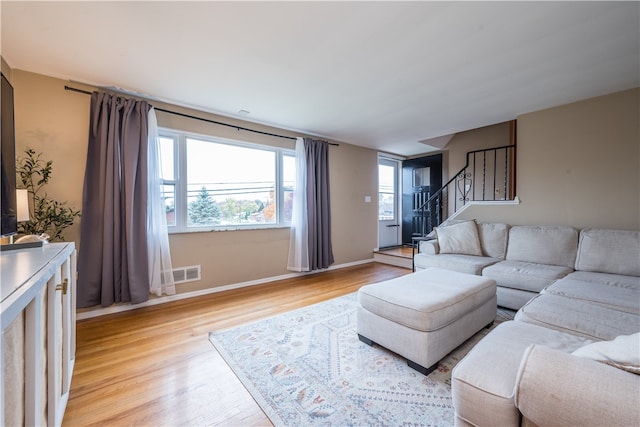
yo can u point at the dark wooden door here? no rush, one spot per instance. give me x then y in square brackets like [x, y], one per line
[421, 178]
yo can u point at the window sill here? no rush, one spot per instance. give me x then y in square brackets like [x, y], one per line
[230, 228]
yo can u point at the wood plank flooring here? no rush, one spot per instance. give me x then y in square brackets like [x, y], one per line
[154, 366]
[402, 251]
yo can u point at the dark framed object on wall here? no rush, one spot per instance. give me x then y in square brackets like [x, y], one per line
[8, 159]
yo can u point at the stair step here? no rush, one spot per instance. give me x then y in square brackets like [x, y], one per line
[400, 257]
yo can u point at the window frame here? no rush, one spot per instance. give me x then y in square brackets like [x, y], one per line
[180, 181]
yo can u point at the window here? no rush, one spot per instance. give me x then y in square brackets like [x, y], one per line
[386, 192]
[421, 177]
[214, 183]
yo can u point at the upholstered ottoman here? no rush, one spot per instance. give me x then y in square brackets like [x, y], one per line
[424, 315]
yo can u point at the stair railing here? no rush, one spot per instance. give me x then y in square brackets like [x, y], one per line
[481, 179]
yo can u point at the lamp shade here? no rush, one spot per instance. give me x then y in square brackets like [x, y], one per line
[22, 197]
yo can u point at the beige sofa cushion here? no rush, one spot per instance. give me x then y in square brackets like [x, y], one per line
[493, 239]
[578, 317]
[623, 298]
[459, 238]
[615, 280]
[527, 276]
[428, 247]
[543, 245]
[609, 251]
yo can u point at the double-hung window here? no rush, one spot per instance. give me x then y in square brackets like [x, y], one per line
[212, 183]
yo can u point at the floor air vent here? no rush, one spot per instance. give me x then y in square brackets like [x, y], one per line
[186, 274]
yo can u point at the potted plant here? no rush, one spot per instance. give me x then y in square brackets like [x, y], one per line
[47, 216]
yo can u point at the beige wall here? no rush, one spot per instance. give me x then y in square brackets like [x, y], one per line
[486, 137]
[578, 165]
[455, 158]
[56, 122]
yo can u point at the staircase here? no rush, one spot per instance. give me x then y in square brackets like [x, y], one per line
[488, 176]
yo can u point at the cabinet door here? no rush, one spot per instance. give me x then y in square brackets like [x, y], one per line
[55, 347]
[61, 339]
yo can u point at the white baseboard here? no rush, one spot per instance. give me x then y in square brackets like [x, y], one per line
[168, 298]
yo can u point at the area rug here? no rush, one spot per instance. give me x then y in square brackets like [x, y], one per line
[308, 368]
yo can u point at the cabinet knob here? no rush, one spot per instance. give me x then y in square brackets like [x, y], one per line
[63, 287]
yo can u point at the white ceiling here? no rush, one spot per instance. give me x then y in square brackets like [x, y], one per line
[385, 75]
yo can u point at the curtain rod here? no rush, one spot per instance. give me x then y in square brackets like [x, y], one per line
[189, 116]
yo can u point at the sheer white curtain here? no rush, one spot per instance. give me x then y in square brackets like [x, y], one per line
[160, 268]
[299, 240]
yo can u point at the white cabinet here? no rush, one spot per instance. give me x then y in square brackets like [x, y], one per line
[38, 333]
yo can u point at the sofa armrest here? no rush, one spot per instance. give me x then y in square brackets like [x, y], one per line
[430, 247]
[556, 388]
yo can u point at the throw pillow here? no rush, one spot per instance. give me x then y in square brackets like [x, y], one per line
[461, 238]
[450, 222]
[623, 352]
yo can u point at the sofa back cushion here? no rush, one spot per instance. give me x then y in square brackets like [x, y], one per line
[609, 251]
[493, 239]
[553, 245]
[461, 238]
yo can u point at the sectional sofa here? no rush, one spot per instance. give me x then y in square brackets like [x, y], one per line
[571, 356]
[523, 260]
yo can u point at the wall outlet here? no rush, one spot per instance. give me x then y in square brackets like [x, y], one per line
[367, 199]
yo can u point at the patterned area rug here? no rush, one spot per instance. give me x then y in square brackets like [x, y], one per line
[307, 367]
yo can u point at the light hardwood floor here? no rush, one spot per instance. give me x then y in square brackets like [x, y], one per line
[154, 366]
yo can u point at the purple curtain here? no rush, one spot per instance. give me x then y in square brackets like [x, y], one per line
[318, 204]
[112, 258]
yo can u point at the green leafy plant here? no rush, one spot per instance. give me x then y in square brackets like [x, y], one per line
[46, 215]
